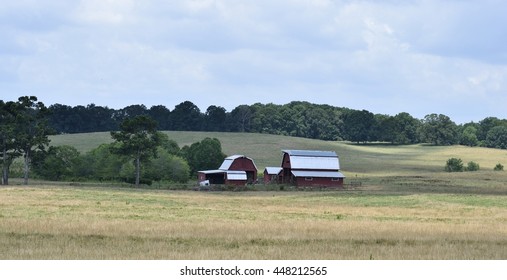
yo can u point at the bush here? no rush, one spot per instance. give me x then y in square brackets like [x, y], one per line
[454, 165]
[498, 167]
[472, 166]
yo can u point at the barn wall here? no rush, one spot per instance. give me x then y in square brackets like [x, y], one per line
[271, 178]
[236, 182]
[245, 164]
[201, 177]
[286, 161]
[318, 182]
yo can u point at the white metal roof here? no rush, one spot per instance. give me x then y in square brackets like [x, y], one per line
[212, 171]
[273, 170]
[229, 160]
[310, 153]
[226, 164]
[236, 176]
[319, 163]
[318, 174]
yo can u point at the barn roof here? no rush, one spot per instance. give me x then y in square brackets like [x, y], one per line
[309, 153]
[273, 170]
[236, 176]
[229, 160]
[313, 160]
[318, 174]
[211, 171]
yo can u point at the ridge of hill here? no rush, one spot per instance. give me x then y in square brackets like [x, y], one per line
[356, 160]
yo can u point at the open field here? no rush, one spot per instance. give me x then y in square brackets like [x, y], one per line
[406, 208]
[47, 222]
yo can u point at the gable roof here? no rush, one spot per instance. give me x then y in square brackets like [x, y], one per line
[318, 174]
[229, 160]
[273, 170]
[313, 160]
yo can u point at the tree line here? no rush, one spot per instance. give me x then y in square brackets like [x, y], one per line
[140, 151]
[299, 119]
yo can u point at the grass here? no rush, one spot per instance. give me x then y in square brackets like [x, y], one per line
[371, 160]
[406, 208]
[48, 222]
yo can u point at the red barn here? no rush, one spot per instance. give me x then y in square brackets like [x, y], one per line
[311, 168]
[273, 175]
[235, 170]
[241, 163]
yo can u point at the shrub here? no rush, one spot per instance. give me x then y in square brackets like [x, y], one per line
[454, 165]
[498, 167]
[472, 166]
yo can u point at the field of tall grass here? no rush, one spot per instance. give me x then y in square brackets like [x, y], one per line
[48, 222]
[407, 207]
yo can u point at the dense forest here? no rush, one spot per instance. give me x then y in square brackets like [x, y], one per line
[300, 119]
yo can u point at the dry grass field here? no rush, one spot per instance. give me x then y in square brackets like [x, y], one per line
[406, 208]
[48, 222]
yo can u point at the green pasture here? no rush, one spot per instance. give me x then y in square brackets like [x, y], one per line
[355, 158]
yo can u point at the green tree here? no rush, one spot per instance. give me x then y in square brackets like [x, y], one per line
[439, 130]
[204, 155]
[59, 162]
[7, 138]
[358, 125]
[214, 119]
[469, 136]
[472, 166]
[138, 139]
[497, 137]
[454, 165]
[384, 129]
[485, 126]
[31, 130]
[240, 119]
[186, 116]
[169, 167]
[162, 116]
[406, 127]
[100, 163]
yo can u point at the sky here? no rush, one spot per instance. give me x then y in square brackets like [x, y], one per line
[421, 57]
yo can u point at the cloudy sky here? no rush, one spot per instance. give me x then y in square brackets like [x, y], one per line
[390, 56]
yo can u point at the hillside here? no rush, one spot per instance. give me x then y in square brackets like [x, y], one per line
[371, 160]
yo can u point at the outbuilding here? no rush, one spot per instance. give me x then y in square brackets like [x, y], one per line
[273, 175]
[235, 170]
[223, 177]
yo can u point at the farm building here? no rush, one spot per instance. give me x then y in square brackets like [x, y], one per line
[273, 175]
[311, 168]
[235, 170]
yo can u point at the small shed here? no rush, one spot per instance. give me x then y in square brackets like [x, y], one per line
[235, 170]
[273, 175]
[223, 177]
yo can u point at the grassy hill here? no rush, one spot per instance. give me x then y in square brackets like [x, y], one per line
[371, 159]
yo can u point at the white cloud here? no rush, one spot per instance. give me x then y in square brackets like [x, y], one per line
[105, 11]
[381, 56]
